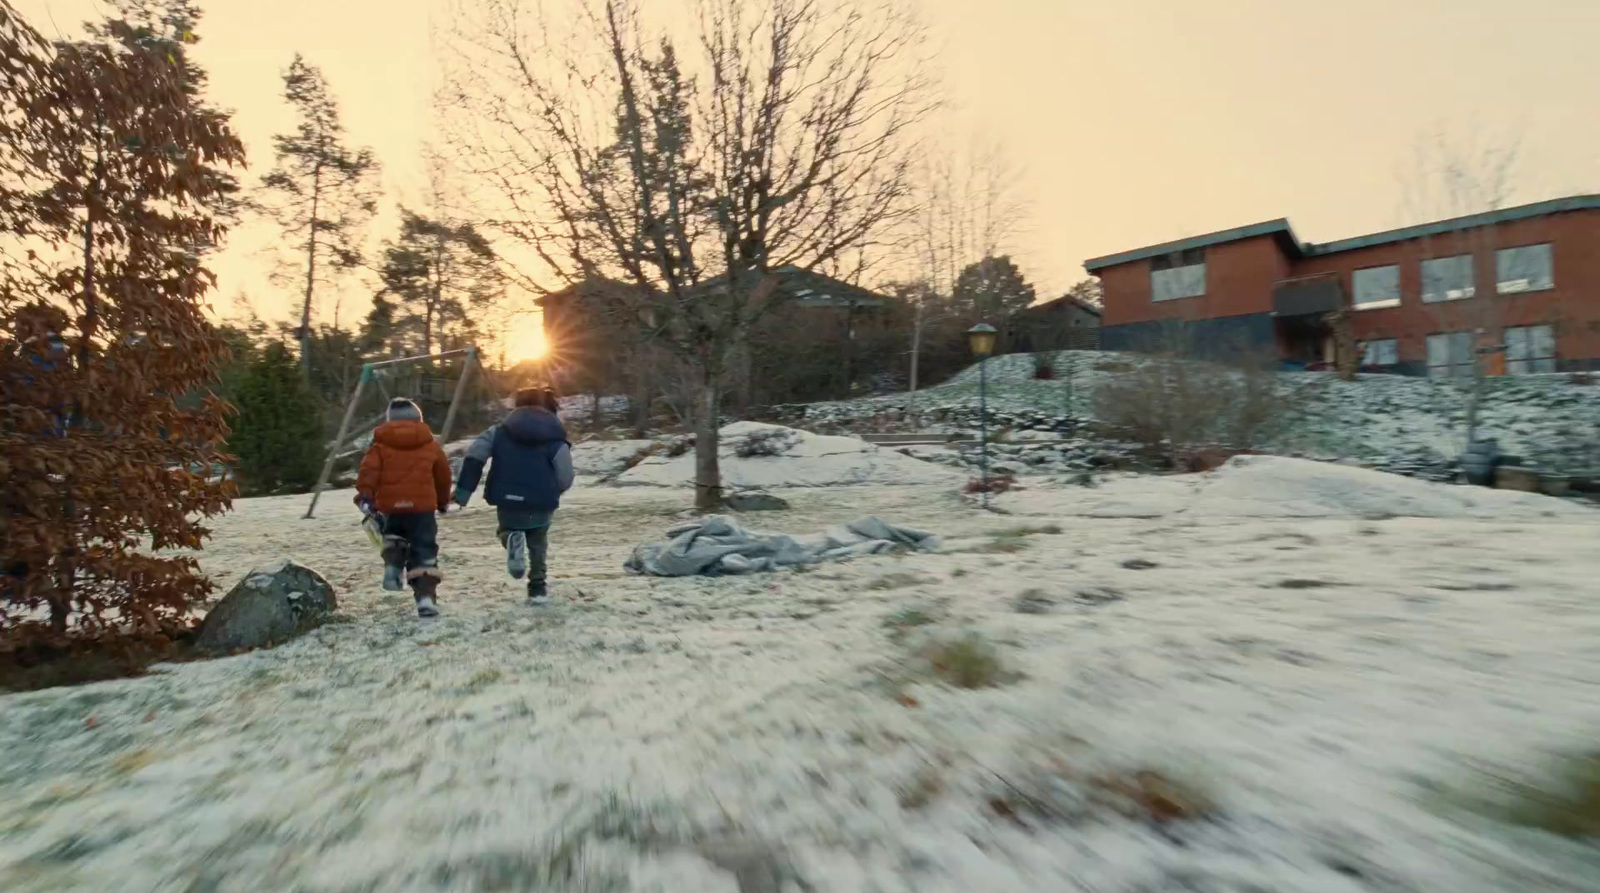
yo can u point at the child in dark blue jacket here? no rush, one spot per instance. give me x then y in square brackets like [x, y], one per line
[530, 466]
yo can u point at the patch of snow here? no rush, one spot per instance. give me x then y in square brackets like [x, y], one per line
[1280, 487]
[598, 458]
[806, 460]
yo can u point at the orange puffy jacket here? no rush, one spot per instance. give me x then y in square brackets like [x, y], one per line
[405, 470]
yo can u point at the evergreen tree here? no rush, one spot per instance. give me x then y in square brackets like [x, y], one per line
[320, 191]
[992, 290]
[277, 435]
[439, 278]
[378, 331]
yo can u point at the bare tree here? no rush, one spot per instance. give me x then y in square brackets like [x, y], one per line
[1456, 177]
[782, 139]
[969, 205]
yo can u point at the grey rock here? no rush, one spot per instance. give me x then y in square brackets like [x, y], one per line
[272, 604]
[754, 502]
[1033, 601]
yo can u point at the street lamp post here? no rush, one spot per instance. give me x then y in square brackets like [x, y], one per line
[981, 337]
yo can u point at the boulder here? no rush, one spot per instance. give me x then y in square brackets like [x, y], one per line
[754, 502]
[270, 605]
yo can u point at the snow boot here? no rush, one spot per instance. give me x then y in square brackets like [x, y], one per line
[394, 563]
[538, 593]
[425, 588]
[517, 554]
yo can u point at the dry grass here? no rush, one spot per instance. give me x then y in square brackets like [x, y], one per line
[997, 483]
[1565, 800]
[966, 662]
[1060, 794]
[889, 582]
[902, 622]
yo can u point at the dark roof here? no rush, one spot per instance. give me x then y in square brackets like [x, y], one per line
[1297, 249]
[1279, 228]
[1065, 299]
[808, 288]
[1456, 224]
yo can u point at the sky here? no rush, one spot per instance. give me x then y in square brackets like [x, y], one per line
[1130, 122]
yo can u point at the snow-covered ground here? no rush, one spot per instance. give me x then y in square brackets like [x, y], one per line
[1397, 422]
[799, 459]
[1319, 650]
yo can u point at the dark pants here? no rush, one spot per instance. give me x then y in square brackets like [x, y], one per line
[538, 547]
[420, 530]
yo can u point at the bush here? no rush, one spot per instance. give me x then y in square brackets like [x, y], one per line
[277, 437]
[765, 444]
[1175, 405]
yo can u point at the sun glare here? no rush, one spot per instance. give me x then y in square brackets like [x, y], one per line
[526, 340]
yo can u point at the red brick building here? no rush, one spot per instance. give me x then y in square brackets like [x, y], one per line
[1520, 286]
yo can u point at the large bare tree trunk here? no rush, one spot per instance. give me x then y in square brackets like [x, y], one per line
[707, 473]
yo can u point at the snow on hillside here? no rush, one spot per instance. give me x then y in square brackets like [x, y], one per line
[1396, 421]
[1314, 656]
[798, 459]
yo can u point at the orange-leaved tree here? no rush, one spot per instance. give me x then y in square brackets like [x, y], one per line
[114, 183]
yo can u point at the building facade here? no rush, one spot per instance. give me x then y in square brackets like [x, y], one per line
[1519, 287]
[1065, 323]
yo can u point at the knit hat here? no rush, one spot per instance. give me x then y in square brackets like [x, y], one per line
[542, 396]
[402, 409]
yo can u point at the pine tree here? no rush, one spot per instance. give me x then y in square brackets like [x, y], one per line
[116, 183]
[278, 432]
[321, 192]
[992, 290]
[439, 278]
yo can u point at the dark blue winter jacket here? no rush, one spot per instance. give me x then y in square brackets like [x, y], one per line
[530, 462]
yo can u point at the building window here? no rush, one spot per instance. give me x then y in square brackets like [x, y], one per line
[1376, 287]
[1447, 279]
[1181, 274]
[1450, 354]
[1382, 352]
[1530, 349]
[1528, 268]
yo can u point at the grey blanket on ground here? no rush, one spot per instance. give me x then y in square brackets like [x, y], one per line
[719, 545]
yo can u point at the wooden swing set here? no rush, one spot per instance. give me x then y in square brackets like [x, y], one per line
[380, 374]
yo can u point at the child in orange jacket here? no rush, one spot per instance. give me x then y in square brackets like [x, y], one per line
[405, 478]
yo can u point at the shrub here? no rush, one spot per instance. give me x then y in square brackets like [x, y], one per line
[1176, 405]
[105, 327]
[765, 444]
[277, 437]
[997, 483]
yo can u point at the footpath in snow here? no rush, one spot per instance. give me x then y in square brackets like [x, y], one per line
[1280, 676]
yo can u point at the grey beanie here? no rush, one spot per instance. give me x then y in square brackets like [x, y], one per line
[402, 409]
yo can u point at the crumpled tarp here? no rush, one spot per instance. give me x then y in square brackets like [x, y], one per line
[719, 545]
